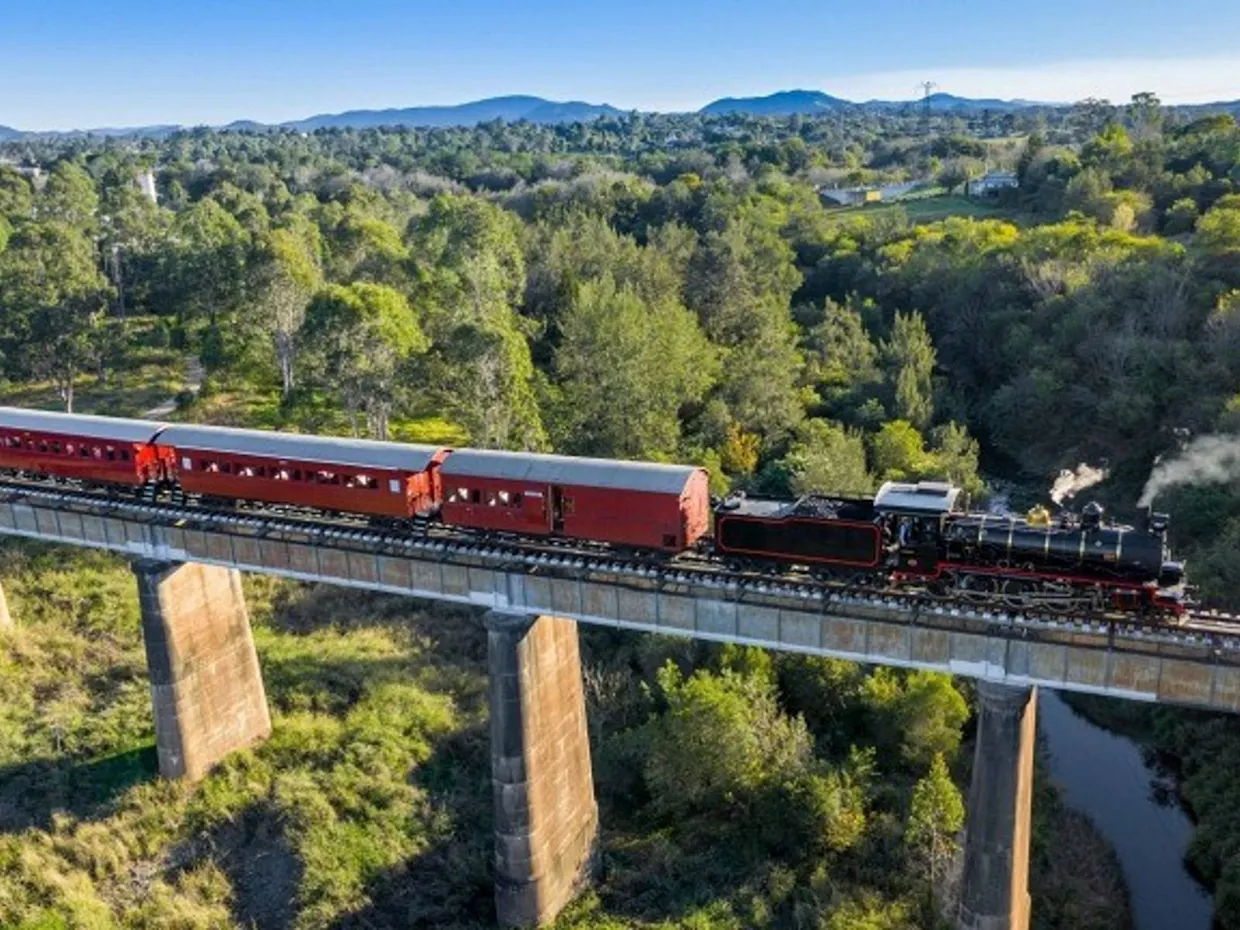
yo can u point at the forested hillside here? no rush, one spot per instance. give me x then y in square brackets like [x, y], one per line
[669, 288]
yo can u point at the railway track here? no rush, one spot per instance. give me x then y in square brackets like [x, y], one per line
[697, 569]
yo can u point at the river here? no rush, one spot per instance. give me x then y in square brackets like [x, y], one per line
[1104, 776]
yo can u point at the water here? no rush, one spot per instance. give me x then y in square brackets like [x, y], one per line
[1105, 777]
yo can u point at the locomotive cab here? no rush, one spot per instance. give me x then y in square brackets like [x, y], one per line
[912, 516]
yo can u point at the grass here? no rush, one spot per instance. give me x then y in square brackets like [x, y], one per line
[376, 769]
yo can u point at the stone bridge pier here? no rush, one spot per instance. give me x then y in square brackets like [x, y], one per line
[206, 684]
[546, 818]
[994, 890]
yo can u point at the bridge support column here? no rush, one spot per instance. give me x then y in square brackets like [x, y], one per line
[994, 892]
[6, 619]
[546, 818]
[206, 684]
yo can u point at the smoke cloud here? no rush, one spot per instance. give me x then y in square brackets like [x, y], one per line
[1071, 483]
[1205, 459]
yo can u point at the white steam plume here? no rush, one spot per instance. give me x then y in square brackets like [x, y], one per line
[1206, 458]
[1071, 483]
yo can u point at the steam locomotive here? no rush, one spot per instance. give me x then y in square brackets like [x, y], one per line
[919, 536]
[911, 537]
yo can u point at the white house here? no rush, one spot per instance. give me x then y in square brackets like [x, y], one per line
[992, 182]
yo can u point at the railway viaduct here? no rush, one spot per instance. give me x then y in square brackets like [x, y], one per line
[208, 694]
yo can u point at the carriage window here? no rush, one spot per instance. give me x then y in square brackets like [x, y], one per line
[505, 498]
[517, 499]
[394, 485]
[227, 468]
[84, 452]
[111, 454]
[42, 445]
[296, 474]
[124, 456]
[97, 452]
[259, 472]
[475, 496]
[187, 463]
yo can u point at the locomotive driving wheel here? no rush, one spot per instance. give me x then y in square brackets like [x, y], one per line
[1017, 593]
[977, 589]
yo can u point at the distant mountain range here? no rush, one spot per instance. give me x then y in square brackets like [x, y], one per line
[540, 110]
[509, 109]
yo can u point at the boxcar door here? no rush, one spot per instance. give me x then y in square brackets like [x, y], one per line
[557, 509]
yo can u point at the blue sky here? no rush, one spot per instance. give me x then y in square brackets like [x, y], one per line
[78, 63]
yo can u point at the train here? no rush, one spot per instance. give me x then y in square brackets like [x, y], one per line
[916, 537]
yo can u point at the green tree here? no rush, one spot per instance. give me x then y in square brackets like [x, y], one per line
[16, 194]
[289, 275]
[840, 357]
[898, 452]
[721, 737]
[935, 817]
[956, 456]
[868, 911]
[471, 275]
[130, 228]
[914, 716]
[740, 283]
[53, 297]
[203, 271]
[624, 369]
[827, 459]
[70, 196]
[361, 336]
[910, 359]
[1180, 217]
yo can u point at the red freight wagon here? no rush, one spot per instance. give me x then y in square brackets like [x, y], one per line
[98, 450]
[627, 503]
[386, 479]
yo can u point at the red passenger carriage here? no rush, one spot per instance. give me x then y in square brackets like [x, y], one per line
[639, 504]
[96, 450]
[385, 479]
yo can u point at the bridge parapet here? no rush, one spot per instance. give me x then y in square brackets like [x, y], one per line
[1181, 666]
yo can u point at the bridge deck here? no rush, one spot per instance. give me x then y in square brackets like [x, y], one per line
[1177, 665]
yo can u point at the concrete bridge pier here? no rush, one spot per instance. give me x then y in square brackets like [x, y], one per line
[6, 619]
[546, 818]
[994, 891]
[206, 684]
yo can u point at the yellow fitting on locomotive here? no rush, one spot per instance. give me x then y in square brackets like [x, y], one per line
[1038, 516]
